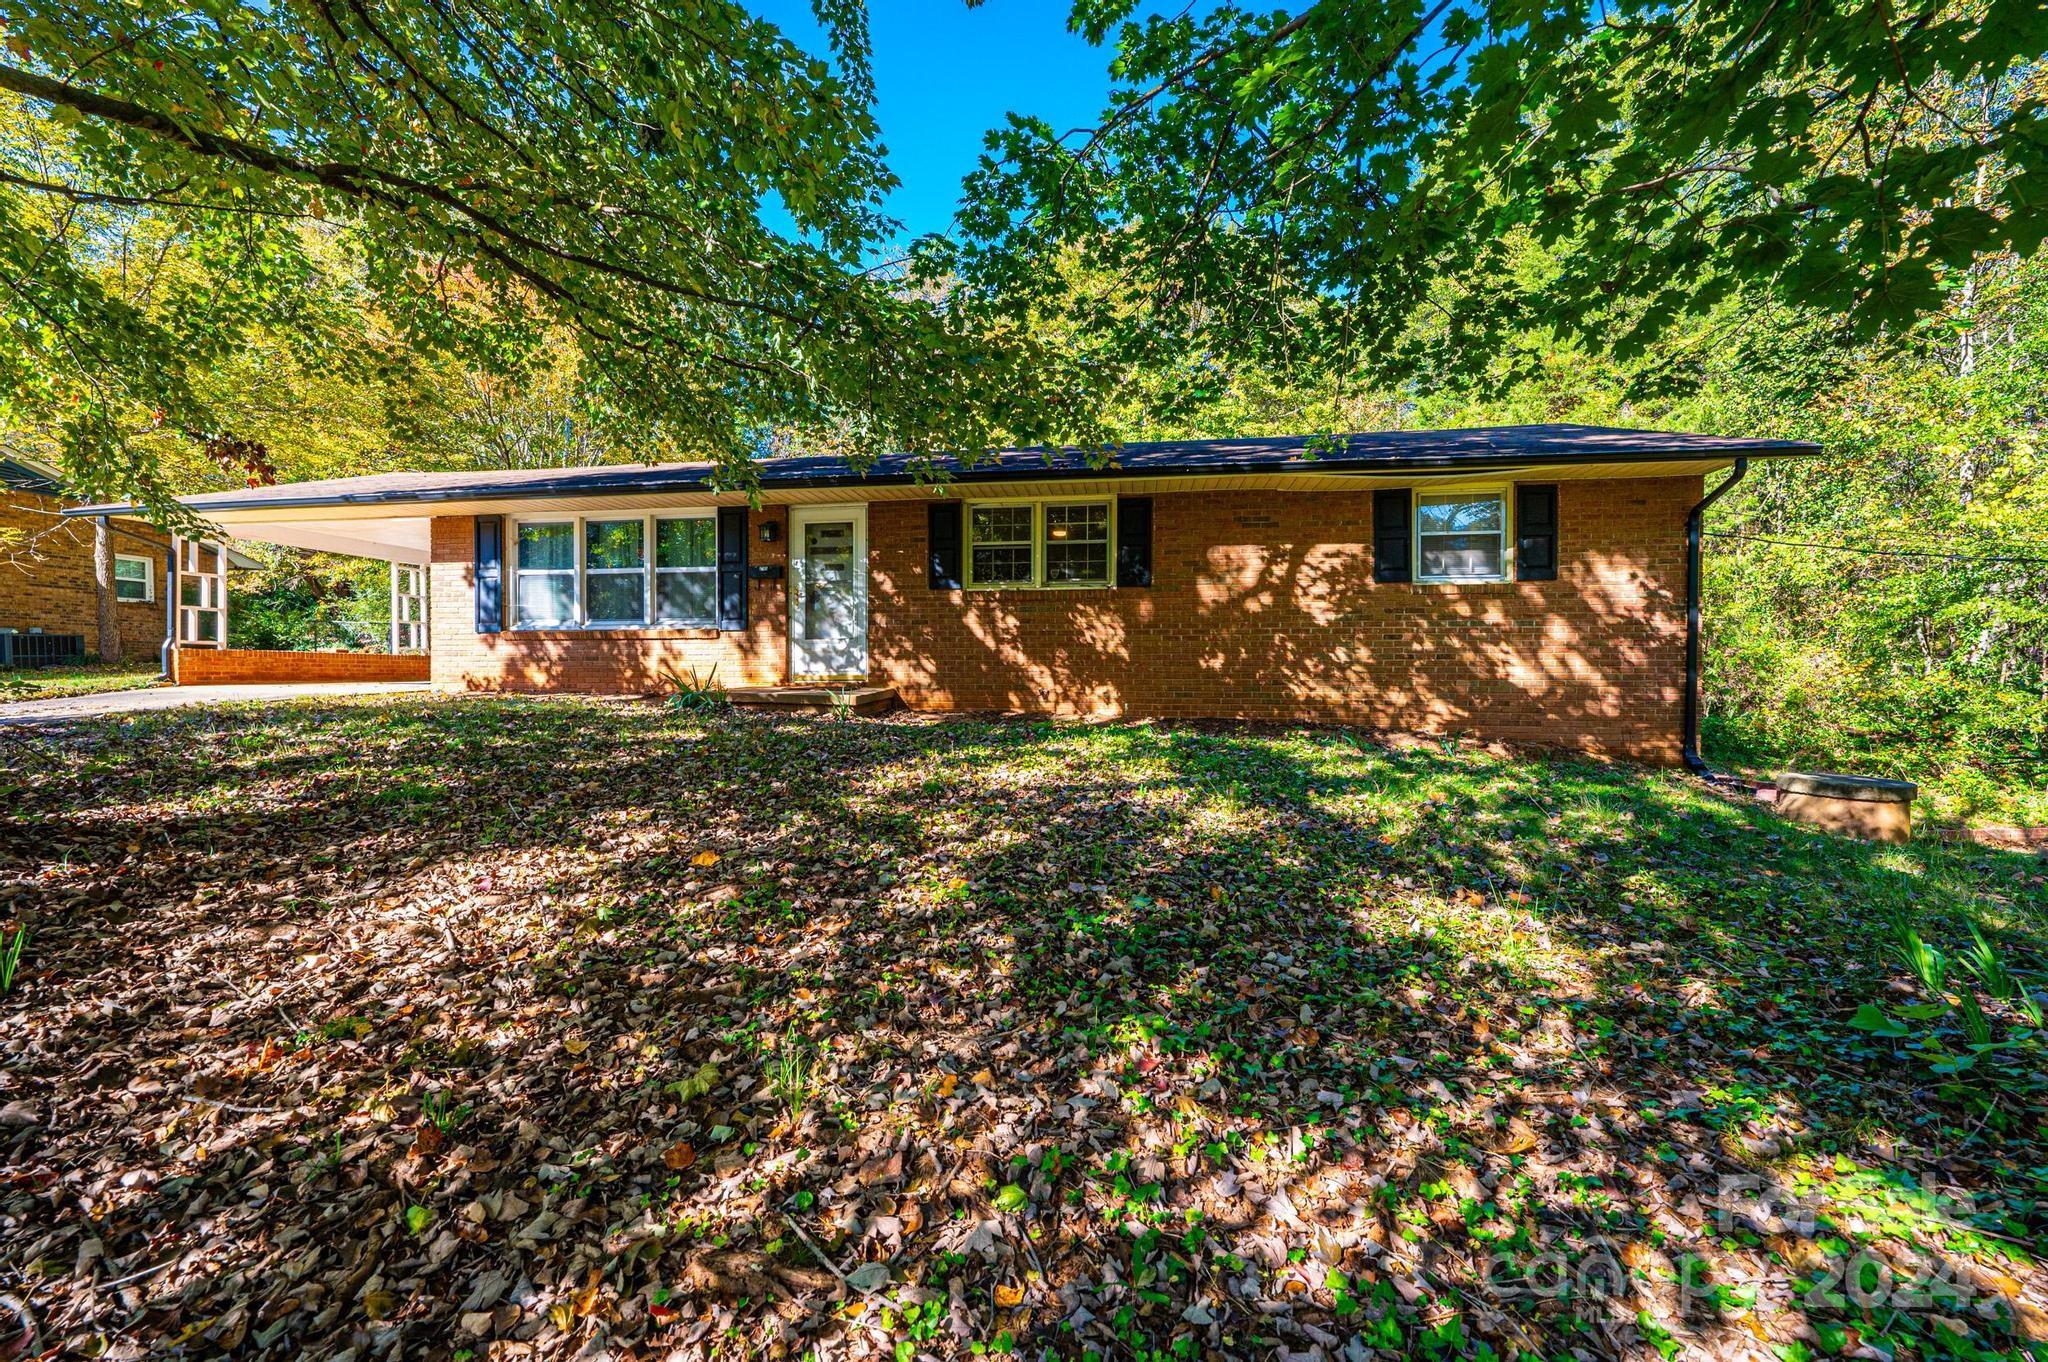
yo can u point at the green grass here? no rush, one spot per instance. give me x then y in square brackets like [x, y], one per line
[1236, 1038]
[56, 683]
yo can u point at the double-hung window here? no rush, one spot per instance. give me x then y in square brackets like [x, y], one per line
[1461, 537]
[134, 577]
[1040, 543]
[546, 580]
[686, 570]
[616, 571]
[1000, 542]
[1077, 544]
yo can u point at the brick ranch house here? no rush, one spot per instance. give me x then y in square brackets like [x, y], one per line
[47, 578]
[1527, 583]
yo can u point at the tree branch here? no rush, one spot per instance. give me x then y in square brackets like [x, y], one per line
[77, 195]
[371, 183]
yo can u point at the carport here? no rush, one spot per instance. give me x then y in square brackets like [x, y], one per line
[197, 596]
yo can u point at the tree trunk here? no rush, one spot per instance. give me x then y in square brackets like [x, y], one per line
[103, 590]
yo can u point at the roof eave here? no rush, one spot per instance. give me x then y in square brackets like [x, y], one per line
[597, 484]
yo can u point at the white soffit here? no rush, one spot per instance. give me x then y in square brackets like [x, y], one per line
[389, 539]
[401, 530]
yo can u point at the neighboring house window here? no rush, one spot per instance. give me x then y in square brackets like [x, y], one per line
[1039, 543]
[617, 571]
[547, 574]
[1461, 537]
[686, 570]
[134, 578]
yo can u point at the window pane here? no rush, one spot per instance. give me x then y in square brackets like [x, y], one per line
[1461, 555]
[1002, 564]
[1076, 562]
[1070, 524]
[547, 546]
[131, 579]
[616, 597]
[685, 597]
[685, 543]
[546, 597]
[1452, 515]
[1002, 525]
[614, 544]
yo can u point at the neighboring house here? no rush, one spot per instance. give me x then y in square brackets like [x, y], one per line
[1526, 583]
[46, 567]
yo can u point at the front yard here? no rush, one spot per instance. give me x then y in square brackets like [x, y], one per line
[467, 1028]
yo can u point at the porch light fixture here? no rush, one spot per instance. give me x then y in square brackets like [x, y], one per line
[771, 531]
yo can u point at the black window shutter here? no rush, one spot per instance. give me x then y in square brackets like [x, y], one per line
[1390, 537]
[1536, 532]
[490, 573]
[942, 571]
[732, 567]
[1134, 541]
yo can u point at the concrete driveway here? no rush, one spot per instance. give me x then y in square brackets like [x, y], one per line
[19, 713]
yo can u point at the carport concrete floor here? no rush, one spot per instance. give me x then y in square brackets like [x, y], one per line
[67, 709]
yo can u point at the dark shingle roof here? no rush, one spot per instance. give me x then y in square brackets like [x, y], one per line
[1392, 451]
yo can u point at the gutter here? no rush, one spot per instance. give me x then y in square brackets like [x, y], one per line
[1690, 741]
[601, 481]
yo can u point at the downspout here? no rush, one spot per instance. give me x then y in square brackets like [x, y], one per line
[170, 585]
[1690, 741]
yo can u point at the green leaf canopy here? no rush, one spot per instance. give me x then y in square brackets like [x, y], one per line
[1350, 186]
[502, 171]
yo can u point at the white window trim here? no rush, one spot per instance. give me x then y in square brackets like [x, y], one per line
[579, 568]
[645, 572]
[1037, 582]
[1506, 493]
[574, 572]
[148, 578]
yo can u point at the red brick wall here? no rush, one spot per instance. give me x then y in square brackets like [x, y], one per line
[46, 579]
[255, 666]
[1263, 607]
[615, 661]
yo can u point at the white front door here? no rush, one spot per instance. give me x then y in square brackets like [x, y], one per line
[828, 587]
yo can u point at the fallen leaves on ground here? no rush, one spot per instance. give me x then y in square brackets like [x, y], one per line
[495, 1028]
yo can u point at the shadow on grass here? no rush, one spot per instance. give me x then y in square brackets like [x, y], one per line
[1121, 1037]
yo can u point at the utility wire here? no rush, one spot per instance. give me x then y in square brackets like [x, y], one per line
[1995, 539]
[1875, 553]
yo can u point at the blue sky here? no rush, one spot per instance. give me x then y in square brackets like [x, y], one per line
[945, 74]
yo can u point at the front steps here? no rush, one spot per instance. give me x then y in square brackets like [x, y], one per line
[822, 698]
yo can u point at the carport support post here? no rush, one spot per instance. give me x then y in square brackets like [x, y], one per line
[170, 607]
[210, 598]
[408, 607]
